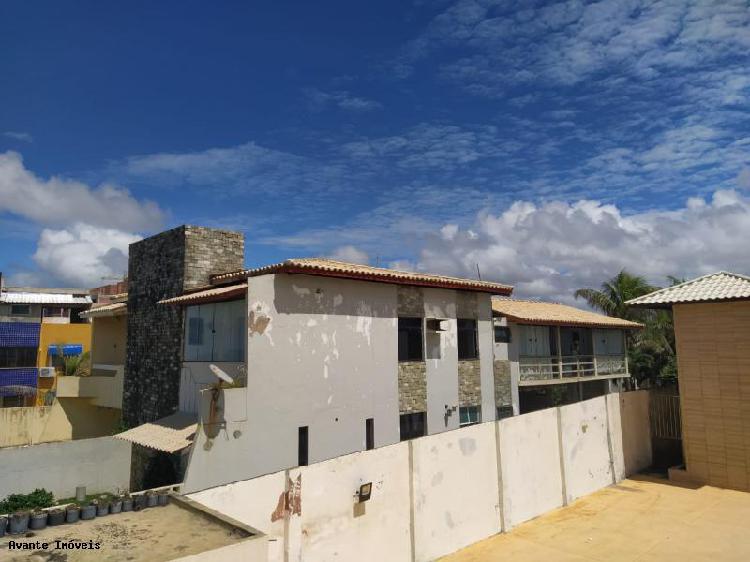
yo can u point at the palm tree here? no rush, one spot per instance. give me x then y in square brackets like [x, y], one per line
[614, 293]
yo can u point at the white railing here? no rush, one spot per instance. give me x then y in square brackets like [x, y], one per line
[554, 368]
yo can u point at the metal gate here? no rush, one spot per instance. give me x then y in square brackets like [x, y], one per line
[664, 413]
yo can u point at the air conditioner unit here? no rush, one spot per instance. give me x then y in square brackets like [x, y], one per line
[437, 325]
[46, 372]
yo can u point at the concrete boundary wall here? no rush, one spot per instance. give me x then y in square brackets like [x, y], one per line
[101, 464]
[437, 494]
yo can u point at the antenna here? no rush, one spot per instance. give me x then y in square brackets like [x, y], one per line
[478, 272]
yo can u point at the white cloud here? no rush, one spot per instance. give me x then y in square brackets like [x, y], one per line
[59, 202]
[549, 250]
[19, 135]
[350, 254]
[342, 99]
[84, 255]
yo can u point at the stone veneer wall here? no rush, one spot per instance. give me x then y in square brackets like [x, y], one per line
[469, 383]
[412, 375]
[503, 393]
[159, 267]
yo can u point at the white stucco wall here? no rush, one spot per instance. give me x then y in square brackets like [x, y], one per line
[456, 500]
[196, 376]
[101, 464]
[585, 448]
[635, 433]
[530, 461]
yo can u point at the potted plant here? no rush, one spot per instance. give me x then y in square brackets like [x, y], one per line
[102, 508]
[89, 511]
[162, 497]
[56, 516]
[3, 525]
[38, 520]
[115, 505]
[19, 522]
[139, 502]
[151, 499]
[127, 502]
[72, 513]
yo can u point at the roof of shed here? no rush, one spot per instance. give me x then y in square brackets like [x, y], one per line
[333, 268]
[172, 433]
[102, 310]
[24, 297]
[713, 287]
[548, 313]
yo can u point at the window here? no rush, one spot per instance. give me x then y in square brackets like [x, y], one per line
[55, 312]
[216, 332]
[467, 339]
[20, 310]
[413, 425]
[369, 433]
[302, 446]
[410, 347]
[504, 412]
[17, 357]
[469, 415]
[502, 334]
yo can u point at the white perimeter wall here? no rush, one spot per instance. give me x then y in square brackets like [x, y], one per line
[437, 494]
[101, 464]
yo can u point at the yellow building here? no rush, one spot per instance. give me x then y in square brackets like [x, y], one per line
[52, 337]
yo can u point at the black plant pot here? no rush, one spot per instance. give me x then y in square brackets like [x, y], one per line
[19, 522]
[56, 517]
[139, 502]
[88, 512]
[38, 521]
[3, 525]
[127, 504]
[151, 500]
[115, 506]
[72, 514]
[162, 498]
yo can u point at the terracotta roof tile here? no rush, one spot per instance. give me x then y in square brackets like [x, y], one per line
[714, 287]
[214, 294]
[170, 434]
[333, 268]
[547, 313]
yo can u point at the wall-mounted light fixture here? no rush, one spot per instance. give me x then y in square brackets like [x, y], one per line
[364, 492]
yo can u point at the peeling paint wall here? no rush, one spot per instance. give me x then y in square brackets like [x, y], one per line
[434, 495]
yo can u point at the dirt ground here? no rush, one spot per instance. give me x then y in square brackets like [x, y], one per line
[155, 534]
[642, 519]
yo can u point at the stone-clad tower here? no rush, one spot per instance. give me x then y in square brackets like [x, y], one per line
[160, 267]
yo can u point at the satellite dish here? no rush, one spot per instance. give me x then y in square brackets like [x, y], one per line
[220, 374]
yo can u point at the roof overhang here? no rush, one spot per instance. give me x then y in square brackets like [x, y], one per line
[106, 310]
[170, 434]
[214, 294]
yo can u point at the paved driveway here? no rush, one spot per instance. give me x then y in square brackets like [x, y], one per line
[641, 519]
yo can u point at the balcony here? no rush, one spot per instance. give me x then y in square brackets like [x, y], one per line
[534, 371]
[103, 386]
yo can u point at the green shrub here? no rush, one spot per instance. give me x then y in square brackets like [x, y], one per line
[23, 502]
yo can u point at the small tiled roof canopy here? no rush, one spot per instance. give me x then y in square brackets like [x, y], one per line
[547, 313]
[721, 286]
[333, 268]
[111, 309]
[169, 434]
[214, 294]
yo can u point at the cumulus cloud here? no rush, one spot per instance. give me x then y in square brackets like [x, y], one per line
[59, 202]
[84, 255]
[85, 231]
[350, 254]
[549, 250]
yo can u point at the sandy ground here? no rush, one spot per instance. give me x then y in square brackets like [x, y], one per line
[155, 534]
[643, 519]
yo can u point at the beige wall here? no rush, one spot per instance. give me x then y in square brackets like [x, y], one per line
[109, 336]
[713, 356]
[67, 419]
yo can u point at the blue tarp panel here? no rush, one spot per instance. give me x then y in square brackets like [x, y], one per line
[19, 334]
[68, 349]
[17, 382]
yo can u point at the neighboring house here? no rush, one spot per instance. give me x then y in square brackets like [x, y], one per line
[38, 327]
[712, 332]
[549, 354]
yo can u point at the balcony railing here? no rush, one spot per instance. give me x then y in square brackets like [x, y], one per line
[555, 369]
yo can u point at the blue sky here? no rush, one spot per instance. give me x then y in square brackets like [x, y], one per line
[551, 143]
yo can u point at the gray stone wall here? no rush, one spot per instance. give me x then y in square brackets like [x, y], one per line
[469, 383]
[410, 301]
[412, 387]
[160, 267]
[503, 393]
[466, 305]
